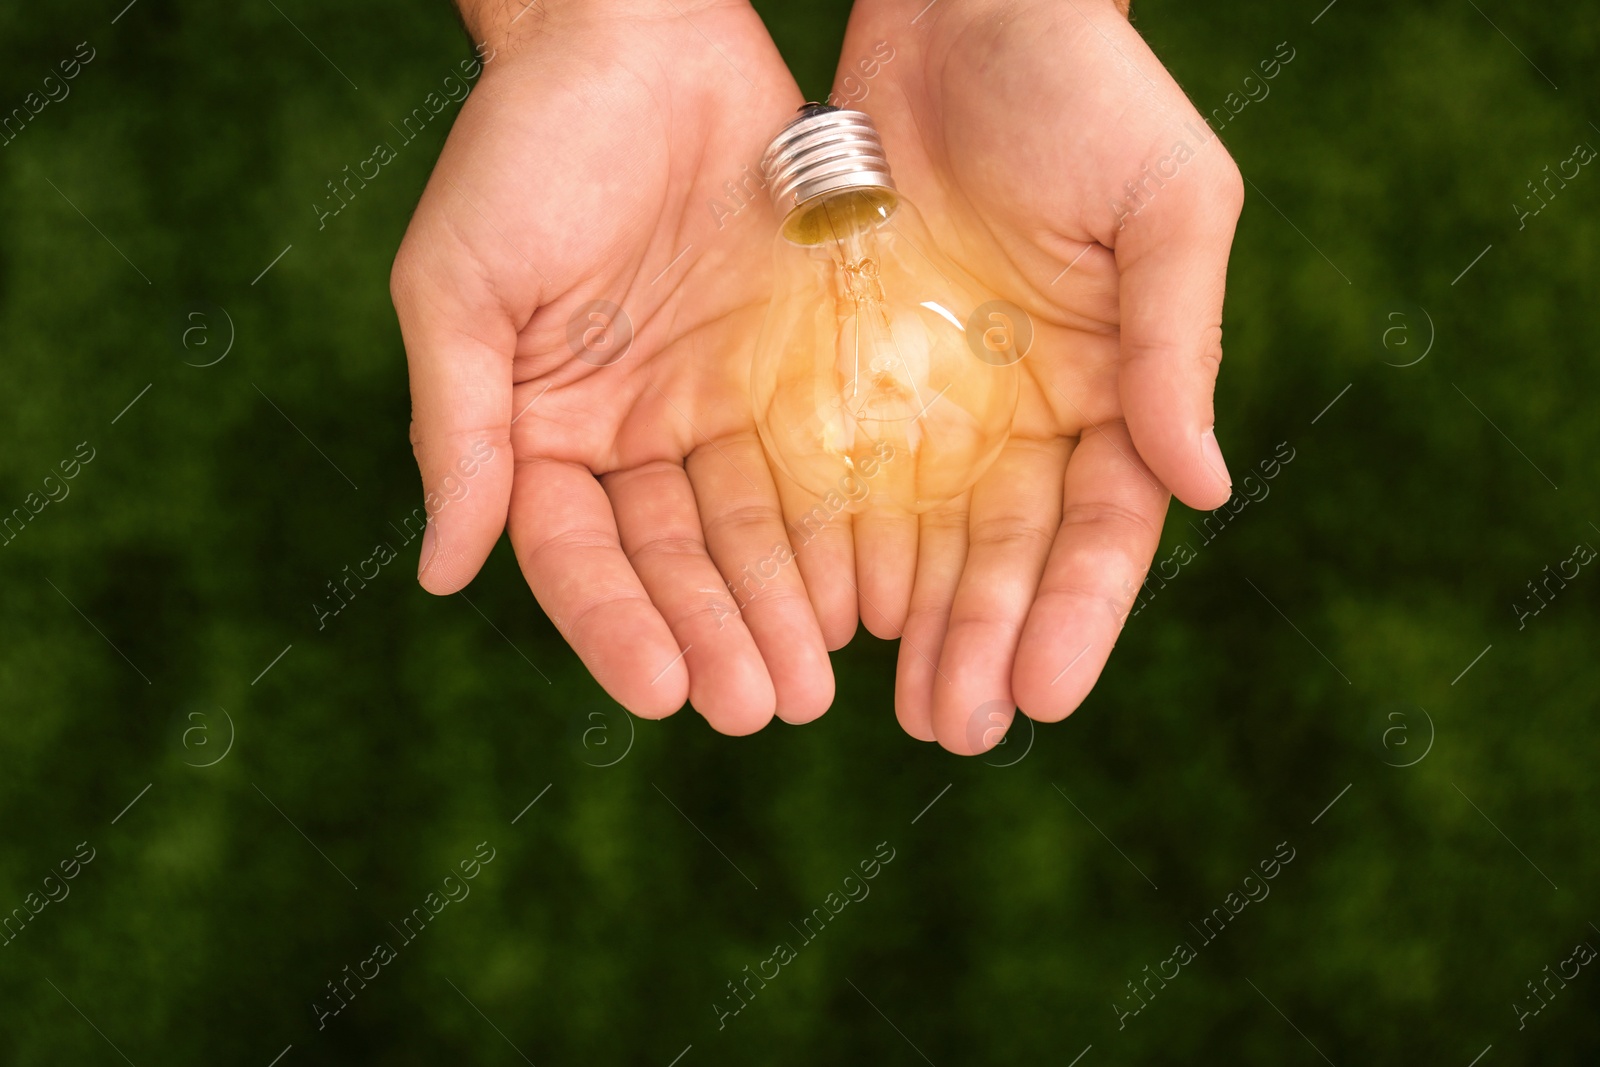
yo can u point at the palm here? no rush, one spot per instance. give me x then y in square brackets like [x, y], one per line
[1014, 132]
[570, 209]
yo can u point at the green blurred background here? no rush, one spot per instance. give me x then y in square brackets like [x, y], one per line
[1316, 644]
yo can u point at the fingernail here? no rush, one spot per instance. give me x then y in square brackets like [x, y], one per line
[1211, 452]
[429, 542]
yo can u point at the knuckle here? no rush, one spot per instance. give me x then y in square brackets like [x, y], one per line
[569, 542]
[1228, 185]
[1115, 520]
[668, 548]
[1011, 534]
[402, 275]
[746, 518]
[944, 521]
[785, 593]
[578, 627]
[659, 477]
[708, 610]
[1211, 350]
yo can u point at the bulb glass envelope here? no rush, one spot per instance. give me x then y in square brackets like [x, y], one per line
[863, 374]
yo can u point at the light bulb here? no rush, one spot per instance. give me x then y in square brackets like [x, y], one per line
[882, 376]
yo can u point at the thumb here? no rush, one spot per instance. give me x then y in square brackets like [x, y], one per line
[1172, 258]
[459, 352]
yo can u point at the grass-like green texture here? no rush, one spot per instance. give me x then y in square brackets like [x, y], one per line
[607, 927]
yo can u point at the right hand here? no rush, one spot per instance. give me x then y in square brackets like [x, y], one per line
[581, 169]
[1020, 128]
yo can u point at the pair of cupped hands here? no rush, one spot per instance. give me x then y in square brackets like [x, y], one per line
[605, 159]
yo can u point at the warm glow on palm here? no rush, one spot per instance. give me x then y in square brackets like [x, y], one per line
[585, 278]
[1015, 127]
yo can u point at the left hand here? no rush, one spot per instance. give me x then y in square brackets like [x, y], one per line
[572, 194]
[1016, 127]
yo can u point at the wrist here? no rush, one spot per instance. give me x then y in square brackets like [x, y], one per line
[504, 24]
[918, 13]
[496, 24]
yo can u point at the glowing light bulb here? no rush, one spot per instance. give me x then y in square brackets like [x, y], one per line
[877, 376]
